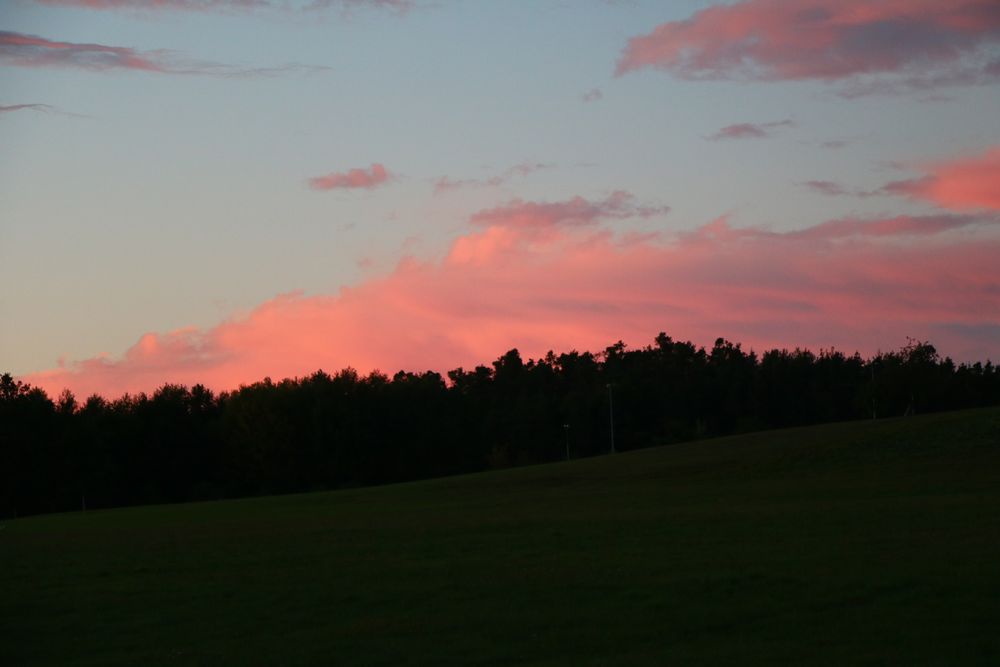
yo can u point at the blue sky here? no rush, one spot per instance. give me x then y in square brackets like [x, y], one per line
[144, 201]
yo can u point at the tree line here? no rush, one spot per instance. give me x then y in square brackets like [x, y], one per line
[333, 431]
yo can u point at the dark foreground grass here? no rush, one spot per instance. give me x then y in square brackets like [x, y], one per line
[860, 543]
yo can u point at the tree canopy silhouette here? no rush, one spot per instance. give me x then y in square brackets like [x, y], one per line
[330, 431]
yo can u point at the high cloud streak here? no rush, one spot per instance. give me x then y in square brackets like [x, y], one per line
[445, 184]
[348, 5]
[32, 51]
[224, 5]
[573, 212]
[963, 183]
[827, 188]
[191, 5]
[365, 179]
[750, 130]
[900, 225]
[40, 108]
[522, 278]
[834, 189]
[25, 107]
[936, 42]
[22, 50]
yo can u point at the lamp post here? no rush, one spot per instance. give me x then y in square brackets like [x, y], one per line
[611, 417]
[566, 428]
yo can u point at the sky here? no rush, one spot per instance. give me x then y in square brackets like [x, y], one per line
[215, 191]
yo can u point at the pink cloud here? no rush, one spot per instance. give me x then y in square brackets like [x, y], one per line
[962, 183]
[563, 286]
[750, 130]
[373, 177]
[32, 51]
[823, 39]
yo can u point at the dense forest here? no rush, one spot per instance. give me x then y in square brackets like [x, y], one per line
[331, 431]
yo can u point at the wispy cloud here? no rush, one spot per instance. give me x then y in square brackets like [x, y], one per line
[41, 108]
[21, 50]
[32, 51]
[848, 228]
[184, 5]
[919, 44]
[901, 225]
[230, 5]
[923, 84]
[353, 179]
[444, 183]
[826, 188]
[592, 95]
[577, 211]
[834, 189]
[44, 108]
[750, 130]
[399, 6]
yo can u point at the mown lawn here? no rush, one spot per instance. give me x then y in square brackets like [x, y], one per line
[855, 543]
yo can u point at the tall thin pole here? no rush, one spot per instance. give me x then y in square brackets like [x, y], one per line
[566, 428]
[611, 417]
[873, 391]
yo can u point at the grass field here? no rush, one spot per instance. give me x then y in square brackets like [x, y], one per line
[855, 543]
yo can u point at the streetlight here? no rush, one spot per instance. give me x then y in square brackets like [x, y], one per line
[611, 417]
[566, 428]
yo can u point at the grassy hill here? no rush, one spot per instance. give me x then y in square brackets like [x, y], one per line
[853, 543]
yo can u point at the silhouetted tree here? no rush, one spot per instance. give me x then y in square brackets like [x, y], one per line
[328, 431]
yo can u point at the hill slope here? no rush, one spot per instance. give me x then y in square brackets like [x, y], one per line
[845, 543]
